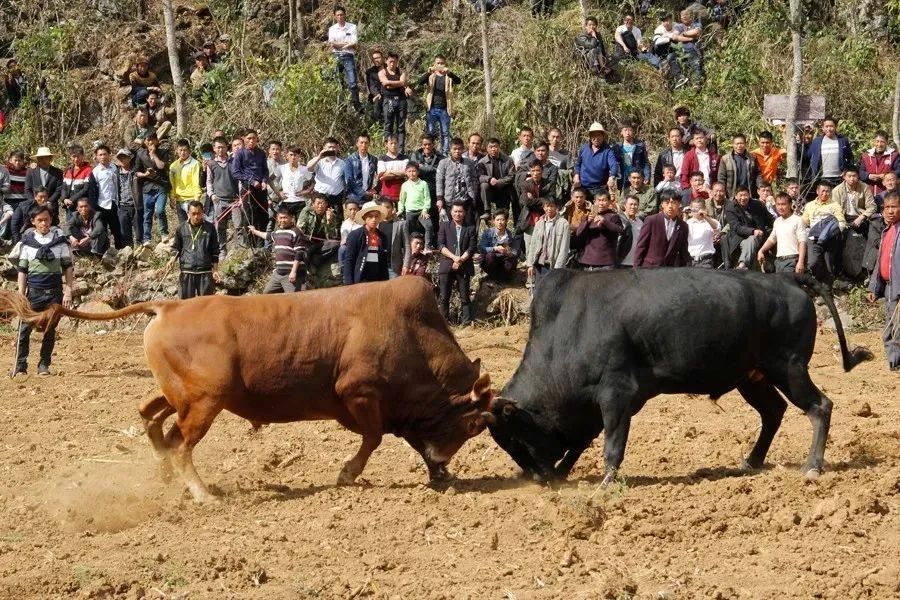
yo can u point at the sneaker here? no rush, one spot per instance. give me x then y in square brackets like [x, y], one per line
[20, 372]
[147, 244]
[741, 267]
[43, 370]
[681, 82]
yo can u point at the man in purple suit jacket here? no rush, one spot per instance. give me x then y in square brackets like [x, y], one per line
[663, 241]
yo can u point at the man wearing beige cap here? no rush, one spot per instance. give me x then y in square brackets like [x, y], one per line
[596, 167]
[47, 176]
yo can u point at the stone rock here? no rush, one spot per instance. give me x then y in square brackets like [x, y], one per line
[163, 249]
[864, 411]
[110, 258]
[87, 326]
[143, 253]
[126, 254]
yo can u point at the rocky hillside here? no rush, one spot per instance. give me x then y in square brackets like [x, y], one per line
[81, 54]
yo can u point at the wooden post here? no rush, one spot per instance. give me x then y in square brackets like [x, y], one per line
[488, 84]
[796, 82]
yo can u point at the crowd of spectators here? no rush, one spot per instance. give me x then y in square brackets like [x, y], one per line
[612, 202]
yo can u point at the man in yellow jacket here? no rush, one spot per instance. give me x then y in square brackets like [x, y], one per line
[184, 177]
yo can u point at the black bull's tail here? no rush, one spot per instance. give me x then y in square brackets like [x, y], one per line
[851, 357]
[16, 304]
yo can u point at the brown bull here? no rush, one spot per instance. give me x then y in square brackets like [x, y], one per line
[378, 358]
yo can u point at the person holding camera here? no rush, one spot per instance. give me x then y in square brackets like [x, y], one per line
[330, 174]
[702, 230]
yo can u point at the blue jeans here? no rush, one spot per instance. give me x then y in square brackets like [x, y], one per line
[439, 117]
[155, 203]
[346, 64]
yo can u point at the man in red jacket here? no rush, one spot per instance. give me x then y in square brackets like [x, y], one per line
[878, 161]
[663, 241]
[700, 158]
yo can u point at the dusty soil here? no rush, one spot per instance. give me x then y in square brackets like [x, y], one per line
[82, 513]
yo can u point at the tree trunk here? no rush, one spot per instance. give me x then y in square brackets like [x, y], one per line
[290, 34]
[298, 15]
[796, 81]
[896, 119]
[175, 67]
[584, 10]
[488, 85]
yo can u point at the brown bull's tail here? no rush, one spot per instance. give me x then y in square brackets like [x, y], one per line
[853, 357]
[16, 304]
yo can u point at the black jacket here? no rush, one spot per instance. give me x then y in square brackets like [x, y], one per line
[664, 158]
[198, 254]
[54, 187]
[467, 243]
[357, 247]
[742, 221]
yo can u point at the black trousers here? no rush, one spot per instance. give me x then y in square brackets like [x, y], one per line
[395, 120]
[110, 217]
[445, 284]
[39, 300]
[131, 223]
[196, 284]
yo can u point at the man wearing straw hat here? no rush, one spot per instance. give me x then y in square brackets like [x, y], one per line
[596, 167]
[47, 176]
[367, 256]
[885, 279]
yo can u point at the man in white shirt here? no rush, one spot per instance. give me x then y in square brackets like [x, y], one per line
[664, 38]
[294, 178]
[789, 235]
[103, 191]
[523, 153]
[701, 233]
[329, 173]
[630, 43]
[342, 39]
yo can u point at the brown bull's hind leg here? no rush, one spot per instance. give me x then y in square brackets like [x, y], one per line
[154, 411]
[189, 429]
[367, 413]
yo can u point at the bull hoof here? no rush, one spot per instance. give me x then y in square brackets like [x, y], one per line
[439, 474]
[207, 499]
[812, 474]
[749, 467]
[345, 478]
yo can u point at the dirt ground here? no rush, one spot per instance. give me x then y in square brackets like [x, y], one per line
[82, 513]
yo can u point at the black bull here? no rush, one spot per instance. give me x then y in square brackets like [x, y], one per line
[602, 344]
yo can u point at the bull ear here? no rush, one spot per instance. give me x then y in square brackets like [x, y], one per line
[477, 364]
[481, 389]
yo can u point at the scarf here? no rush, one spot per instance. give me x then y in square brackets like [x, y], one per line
[44, 251]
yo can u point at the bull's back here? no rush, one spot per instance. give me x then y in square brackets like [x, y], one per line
[669, 328]
[279, 357]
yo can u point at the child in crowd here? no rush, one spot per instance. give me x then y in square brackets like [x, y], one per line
[351, 207]
[415, 203]
[289, 245]
[669, 182]
[418, 260]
